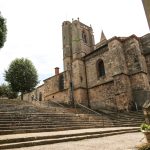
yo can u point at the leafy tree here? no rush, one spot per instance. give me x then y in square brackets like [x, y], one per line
[3, 31]
[21, 76]
[6, 91]
[3, 90]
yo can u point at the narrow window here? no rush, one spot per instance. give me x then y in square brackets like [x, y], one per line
[32, 97]
[84, 37]
[61, 82]
[100, 68]
[40, 96]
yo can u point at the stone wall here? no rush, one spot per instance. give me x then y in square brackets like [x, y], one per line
[111, 91]
[147, 58]
[91, 68]
[57, 87]
[37, 94]
[125, 69]
[80, 96]
[60, 97]
[103, 96]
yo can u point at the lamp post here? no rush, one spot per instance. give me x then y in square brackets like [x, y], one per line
[69, 68]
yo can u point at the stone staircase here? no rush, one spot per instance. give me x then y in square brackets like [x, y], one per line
[19, 118]
[23, 117]
[120, 119]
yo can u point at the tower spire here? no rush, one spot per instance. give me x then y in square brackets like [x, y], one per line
[103, 37]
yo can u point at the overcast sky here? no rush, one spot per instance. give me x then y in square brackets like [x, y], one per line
[35, 27]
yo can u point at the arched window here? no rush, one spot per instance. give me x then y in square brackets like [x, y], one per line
[61, 82]
[40, 96]
[100, 68]
[84, 37]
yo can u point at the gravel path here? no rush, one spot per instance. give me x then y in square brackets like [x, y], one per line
[117, 142]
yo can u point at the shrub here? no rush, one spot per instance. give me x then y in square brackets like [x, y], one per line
[144, 147]
[145, 127]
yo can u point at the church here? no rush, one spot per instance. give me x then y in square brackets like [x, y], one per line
[113, 74]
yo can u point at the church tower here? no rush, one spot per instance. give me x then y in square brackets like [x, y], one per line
[67, 44]
[82, 39]
[78, 41]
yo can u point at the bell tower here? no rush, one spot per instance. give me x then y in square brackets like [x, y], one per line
[67, 44]
[82, 39]
[78, 41]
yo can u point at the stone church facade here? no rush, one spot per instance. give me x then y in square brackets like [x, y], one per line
[112, 74]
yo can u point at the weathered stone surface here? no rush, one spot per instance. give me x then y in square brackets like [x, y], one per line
[126, 70]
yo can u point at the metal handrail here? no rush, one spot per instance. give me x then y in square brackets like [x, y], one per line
[89, 109]
[79, 105]
[57, 103]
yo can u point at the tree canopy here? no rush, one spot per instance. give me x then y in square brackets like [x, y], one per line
[6, 91]
[3, 31]
[21, 75]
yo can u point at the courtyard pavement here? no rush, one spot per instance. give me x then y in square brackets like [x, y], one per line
[126, 141]
[66, 132]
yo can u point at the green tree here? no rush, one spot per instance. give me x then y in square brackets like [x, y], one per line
[6, 91]
[3, 90]
[3, 31]
[21, 76]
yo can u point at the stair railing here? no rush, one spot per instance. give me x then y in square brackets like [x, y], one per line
[83, 106]
[57, 103]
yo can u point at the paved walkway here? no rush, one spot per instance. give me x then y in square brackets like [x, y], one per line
[117, 142]
[67, 132]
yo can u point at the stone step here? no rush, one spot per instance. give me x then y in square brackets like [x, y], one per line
[19, 131]
[53, 121]
[19, 123]
[11, 124]
[46, 123]
[38, 113]
[31, 137]
[64, 117]
[51, 139]
[26, 128]
[46, 126]
[50, 124]
[58, 128]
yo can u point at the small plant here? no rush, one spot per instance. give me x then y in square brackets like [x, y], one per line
[144, 147]
[145, 127]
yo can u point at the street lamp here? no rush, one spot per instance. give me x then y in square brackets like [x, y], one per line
[69, 68]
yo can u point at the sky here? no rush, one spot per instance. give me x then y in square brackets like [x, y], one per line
[35, 27]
